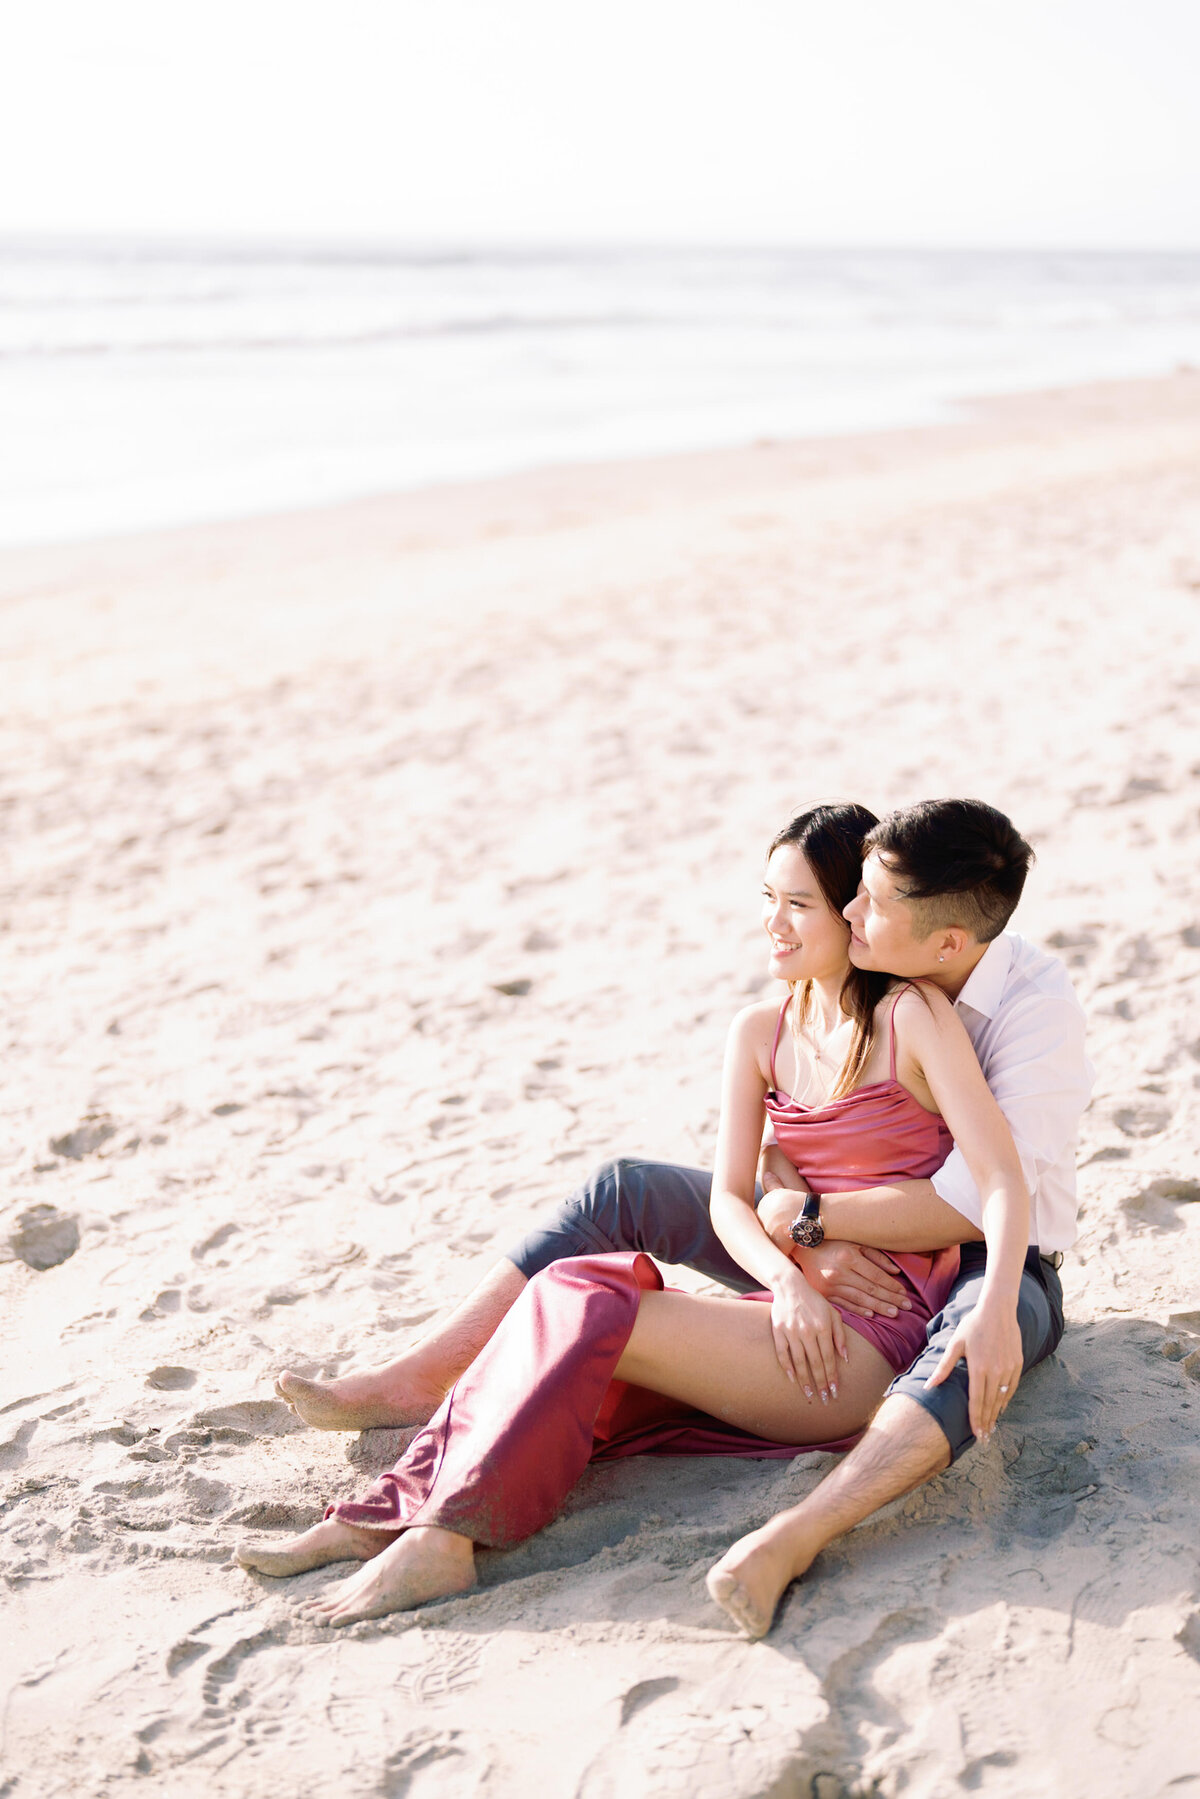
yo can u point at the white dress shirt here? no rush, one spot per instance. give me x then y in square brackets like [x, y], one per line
[1025, 1020]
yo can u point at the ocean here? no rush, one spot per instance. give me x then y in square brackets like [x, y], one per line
[151, 384]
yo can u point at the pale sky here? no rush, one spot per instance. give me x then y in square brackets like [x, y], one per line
[1007, 122]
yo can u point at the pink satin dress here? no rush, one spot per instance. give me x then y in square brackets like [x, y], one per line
[541, 1400]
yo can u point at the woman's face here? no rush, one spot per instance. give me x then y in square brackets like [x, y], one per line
[809, 942]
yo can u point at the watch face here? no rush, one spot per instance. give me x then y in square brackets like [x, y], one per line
[809, 1233]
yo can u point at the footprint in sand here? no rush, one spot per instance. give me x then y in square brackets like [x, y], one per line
[13, 1447]
[1139, 959]
[43, 1237]
[1075, 947]
[1143, 1120]
[87, 1137]
[1140, 787]
[218, 1237]
[168, 1301]
[257, 1417]
[168, 1379]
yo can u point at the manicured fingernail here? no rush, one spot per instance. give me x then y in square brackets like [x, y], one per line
[891, 1312]
[808, 1392]
[833, 1389]
[824, 1397]
[907, 1304]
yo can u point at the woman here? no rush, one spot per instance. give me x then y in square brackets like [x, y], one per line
[867, 1085]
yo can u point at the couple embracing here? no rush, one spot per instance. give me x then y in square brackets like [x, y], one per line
[896, 1263]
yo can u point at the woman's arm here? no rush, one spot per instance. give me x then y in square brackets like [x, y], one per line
[930, 1033]
[809, 1334]
[852, 1270]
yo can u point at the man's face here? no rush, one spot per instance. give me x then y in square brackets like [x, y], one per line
[881, 927]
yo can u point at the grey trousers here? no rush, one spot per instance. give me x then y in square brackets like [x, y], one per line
[663, 1209]
[631, 1204]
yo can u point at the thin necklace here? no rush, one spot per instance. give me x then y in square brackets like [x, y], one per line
[819, 1055]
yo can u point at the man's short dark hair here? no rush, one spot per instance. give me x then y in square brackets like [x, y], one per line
[958, 862]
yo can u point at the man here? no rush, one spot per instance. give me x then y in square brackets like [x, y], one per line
[940, 882]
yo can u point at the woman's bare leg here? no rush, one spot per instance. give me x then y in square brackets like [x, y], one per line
[329, 1541]
[712, 1353]
[719, 1355]
[410, 1389]
[424, 1563]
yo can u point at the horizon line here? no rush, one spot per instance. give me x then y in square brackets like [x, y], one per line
[339, 246]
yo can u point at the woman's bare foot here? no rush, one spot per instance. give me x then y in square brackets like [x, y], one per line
[425, 1563]
[399, 1393]
[751, 1578]
[329, 1541]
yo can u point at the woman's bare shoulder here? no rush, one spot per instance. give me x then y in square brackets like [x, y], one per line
[752, 1021]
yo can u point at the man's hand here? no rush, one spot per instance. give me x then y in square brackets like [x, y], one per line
[775, 1171]
[783, 1195]
[859, 1280]
[990, 1341]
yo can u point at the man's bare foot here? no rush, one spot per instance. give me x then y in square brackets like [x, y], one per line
[425, 1563]
[751, 1578]
[399, 1393]
[329, 1541]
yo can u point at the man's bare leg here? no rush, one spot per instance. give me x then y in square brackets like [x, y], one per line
[410, 1389]
[903, 1447]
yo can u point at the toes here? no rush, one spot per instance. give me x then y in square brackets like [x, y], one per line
[727, 1591]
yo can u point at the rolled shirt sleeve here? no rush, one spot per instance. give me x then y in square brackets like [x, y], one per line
[1033, 1059]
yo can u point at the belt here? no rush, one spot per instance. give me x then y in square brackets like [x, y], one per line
[1054, 1258]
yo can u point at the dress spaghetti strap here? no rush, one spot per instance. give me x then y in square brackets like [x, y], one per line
[778, 1028]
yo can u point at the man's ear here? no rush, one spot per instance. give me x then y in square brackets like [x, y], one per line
[952, 942]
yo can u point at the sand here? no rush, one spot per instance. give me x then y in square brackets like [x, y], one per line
[372, 872]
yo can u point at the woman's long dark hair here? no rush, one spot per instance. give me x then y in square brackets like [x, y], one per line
[830, 838]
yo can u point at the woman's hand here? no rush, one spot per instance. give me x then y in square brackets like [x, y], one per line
[860, 1280]
[809, 1335]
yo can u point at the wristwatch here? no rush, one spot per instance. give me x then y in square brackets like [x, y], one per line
[807, 1230]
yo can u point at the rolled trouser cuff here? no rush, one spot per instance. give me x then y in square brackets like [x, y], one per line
[1039, 1319]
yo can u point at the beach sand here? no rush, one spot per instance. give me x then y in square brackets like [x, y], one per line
[370, 874]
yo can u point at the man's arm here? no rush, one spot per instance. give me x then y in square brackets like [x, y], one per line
[851, 1272]
[911, 1215]
[1038, 1071]
[1039, 1074]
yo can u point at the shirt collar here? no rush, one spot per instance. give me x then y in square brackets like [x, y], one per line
[985, 983]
